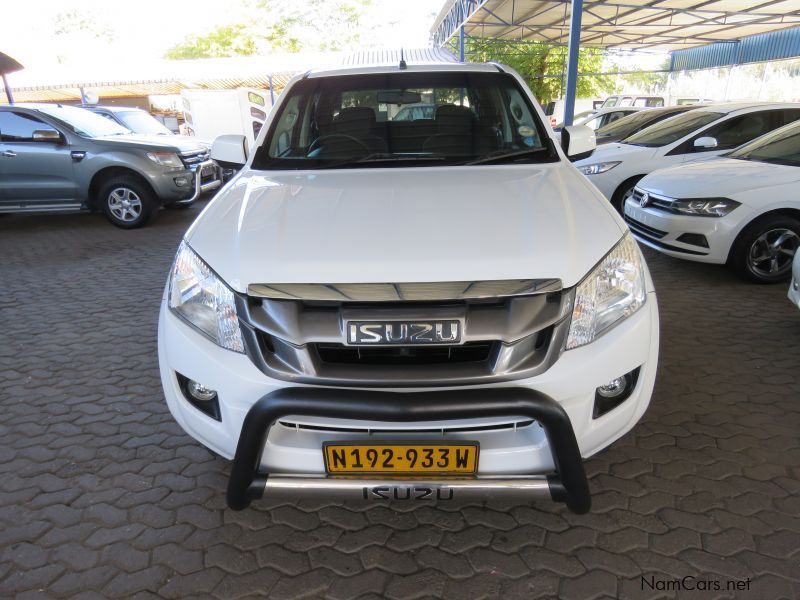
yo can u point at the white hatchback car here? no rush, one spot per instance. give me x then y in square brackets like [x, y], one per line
[420, 309]
[742, 209]
[701, 133]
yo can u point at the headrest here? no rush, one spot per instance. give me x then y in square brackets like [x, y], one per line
[451, 118]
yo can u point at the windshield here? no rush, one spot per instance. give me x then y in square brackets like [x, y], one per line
[139, 121]
[671, 130]
[83, 122]
[403, 119]
[633, 122]
[780, 147]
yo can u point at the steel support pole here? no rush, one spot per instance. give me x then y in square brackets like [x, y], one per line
[461, 36]
[8, 90]
[271, 91]
[572, 60]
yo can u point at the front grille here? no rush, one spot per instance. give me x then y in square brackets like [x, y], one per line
[514, 425]
[644, 230]
[403, 355]
[653, 201]
[504, 338]
[192, 158]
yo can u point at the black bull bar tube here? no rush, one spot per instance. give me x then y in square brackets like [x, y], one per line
[568, 484]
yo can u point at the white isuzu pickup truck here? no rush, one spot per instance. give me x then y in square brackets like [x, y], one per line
[413, 309]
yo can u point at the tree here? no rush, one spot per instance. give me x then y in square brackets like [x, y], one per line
[543, 66]
[282, 26]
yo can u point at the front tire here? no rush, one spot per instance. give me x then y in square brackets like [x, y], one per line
[623, 191]
[763, 252]
[127, 202]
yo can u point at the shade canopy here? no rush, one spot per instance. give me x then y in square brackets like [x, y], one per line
[8, 64]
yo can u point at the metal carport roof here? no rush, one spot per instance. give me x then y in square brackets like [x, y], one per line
[666, 24]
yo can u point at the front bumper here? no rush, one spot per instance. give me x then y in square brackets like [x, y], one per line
[247, 481]
[167, 189]
[677, 235]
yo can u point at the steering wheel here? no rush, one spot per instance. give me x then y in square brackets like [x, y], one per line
[317, 143]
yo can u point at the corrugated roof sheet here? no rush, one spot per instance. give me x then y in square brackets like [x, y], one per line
[137, 78]
[667, 24]
[775, 45]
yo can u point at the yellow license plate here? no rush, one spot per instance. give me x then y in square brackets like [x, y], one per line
[401, 458]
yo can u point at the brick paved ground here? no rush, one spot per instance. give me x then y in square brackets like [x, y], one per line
[101, 492]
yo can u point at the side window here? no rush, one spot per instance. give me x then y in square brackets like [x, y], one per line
[19, 127]
[285, 128]
[735, 132]
[788, 115]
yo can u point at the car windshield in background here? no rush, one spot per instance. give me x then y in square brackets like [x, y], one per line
[142, 122]
[84, 122]
[632, 122]
[780, 147]
[673, 129]
[404, 119]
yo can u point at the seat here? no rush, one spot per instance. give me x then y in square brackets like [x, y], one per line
[454, 131]
[359, 122]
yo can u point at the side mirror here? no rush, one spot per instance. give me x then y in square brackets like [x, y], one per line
[47, 135]
[230, 151]
[706, 142]
[578, 142]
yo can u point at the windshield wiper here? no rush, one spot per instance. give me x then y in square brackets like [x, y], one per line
[381, 158]
[508, 156]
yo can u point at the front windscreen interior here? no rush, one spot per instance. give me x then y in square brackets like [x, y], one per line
[402, 119]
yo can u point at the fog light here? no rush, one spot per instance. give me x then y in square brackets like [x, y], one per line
[615, 387]
[609, 396]
[201, 397]
[181, 181]
[200, 392]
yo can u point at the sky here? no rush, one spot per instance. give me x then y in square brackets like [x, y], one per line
[147, 28]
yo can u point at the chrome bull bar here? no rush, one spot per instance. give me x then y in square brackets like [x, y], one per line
[568, 484]
[199, 186]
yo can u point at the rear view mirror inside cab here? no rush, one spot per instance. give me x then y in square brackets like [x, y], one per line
[399, 97]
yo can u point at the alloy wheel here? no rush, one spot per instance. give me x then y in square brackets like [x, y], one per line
[772, 252]
[125, 204]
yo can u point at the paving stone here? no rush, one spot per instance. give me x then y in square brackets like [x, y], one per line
[102, 494]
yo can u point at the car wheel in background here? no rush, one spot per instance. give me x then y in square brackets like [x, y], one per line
[127, 202]
[764, 251]
[624, 190]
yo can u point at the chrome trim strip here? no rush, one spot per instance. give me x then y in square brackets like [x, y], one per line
[405, 488]
[396, 292]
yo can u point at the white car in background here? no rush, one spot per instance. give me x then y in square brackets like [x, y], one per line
[696, 134]
[742, 209]
[794, 286]
[600, 117]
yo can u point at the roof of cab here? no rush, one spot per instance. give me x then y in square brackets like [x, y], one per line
[410, 68]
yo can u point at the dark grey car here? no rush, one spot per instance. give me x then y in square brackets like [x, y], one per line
[55, 157]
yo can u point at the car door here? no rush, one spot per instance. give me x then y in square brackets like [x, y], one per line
[730, 133]
[34, 171]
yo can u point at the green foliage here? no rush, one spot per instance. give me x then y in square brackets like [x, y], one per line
[226, 40]
[543, 66]
[281, 26]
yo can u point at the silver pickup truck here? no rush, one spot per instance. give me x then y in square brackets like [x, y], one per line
[63, 158]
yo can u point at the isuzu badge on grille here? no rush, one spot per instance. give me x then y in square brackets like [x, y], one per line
[378, 333]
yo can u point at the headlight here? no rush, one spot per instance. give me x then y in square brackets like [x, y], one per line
[203, 300]
[597, 168]
[613, 291]
[166, 159]
[704, 207]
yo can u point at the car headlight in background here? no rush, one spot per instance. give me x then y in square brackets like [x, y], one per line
[704, 207]
[203, 300]
[166, 159]
[613, 291]
[597, 168]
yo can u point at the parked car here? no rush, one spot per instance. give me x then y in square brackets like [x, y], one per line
[64, 158]
[596, 118]
[633, 123]
[554, 110]
[415, 112]
[138, 121]
[642, 101]
[794, 286]
[369, 307]
[742, 209]
[695, 134]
